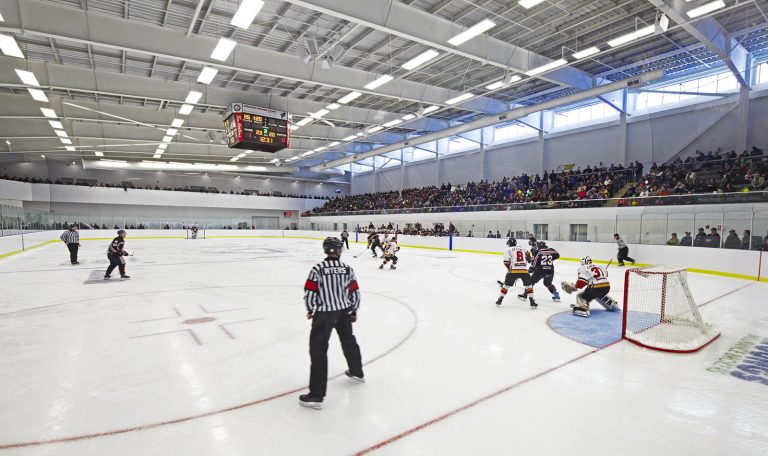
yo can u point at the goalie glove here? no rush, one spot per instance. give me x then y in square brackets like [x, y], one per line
[568, 287]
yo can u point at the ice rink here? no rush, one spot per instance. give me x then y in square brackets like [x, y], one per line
[204, 352]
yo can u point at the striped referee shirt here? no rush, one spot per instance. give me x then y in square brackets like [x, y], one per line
[70, 237]
[331, 286]
[620, 242]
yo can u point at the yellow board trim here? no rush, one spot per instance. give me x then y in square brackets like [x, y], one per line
[16, 252]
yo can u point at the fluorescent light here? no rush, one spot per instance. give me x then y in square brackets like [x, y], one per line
[186, 109]
[274, 160]
[65, 140]
[61, 133]
[38, 95]
[432, 108]
[547, 67]
[420, 59]
[378, 82]
[333, 106]
[348, 97]
[256, 168]
[246, 13]
[223, 49]
[495, 85]
[392, 123]
[156, 156]
[375, 129]
[27, 77]
[167, 139]
[350, 138]
[334, 144]
[459, 99]
[304, 121]
[162, 146]
[586, 52]
[477, 29]
[193, 97]
[206, 75]
[320, 113]
[98, 154]
[47, 112]
[234, 159]
[70, 148]
[3, 20]
[409, 116]
[360, 134]
[706, 8]
[9, 47]
[528, 4]
[639, 33]
[319, 149]
[56, 124]
[177, 123]
[171, 132]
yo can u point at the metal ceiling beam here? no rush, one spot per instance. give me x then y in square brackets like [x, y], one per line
[36, 18]
[496, 119]
[711, 34]
[423, 27]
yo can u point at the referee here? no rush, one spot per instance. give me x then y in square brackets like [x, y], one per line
[623, 250]
[332, 297]
[72, 239]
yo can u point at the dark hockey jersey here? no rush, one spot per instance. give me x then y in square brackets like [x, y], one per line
[544, 261]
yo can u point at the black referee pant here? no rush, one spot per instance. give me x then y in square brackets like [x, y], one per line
[624, 255]
[73, 248]
[323, 324]
[346, 242]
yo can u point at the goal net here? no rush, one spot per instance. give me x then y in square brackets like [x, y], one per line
[660, 313]
[200, 234]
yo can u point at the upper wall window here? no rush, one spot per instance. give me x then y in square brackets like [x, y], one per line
[584, 114]
[512, 132]
[687, 90]
[459, 144]
[761, 73]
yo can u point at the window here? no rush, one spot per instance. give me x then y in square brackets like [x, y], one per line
[583, 114]
[459, 144]
[541, 231]
[579, 233]
[714, 83]
[761, 75]
[512, 131]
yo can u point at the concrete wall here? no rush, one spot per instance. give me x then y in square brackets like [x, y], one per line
[651, 137]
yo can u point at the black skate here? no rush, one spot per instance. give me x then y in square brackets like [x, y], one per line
[621, 264]
[125, 276]
[522, 297]
[357, 378]
[533, 304]
[305, 400]
[107, 277]
[498, 301]
[393, 267]
[381, 267]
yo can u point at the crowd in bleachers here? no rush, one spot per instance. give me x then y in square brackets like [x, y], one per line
[194, 189]
[713, 172]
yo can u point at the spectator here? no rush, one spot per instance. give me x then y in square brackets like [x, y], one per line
[701, 236]
[674, 240]
[713, 239]
[746, 240]
[732, 241]
[686, 240]
[490, 234]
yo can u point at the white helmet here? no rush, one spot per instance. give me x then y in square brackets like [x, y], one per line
[586, 260]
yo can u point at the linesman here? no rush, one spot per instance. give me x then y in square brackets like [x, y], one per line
[72, 239]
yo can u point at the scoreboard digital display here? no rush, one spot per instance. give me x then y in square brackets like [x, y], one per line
[255, 128]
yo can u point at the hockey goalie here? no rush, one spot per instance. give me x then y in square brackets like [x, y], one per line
[593, 281]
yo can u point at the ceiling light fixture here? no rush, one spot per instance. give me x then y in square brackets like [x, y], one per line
[319, 149]
[528, 4]
[162, 146]
[392, 123]
[477, 29]
[586, 52]
[47, 112]
[186, 109]
[224, 47]
[333, 106]
[38, 95]
[375, 129]
[56, 124]
[156, 156]
[420, 59]
[548, 67]
[639, 33]
[98, 153]
[167, 139]
[350, 138]
[459, 99]
[378, 82]
[65, 140]
[256, 168]
[61, 133]
[234, 159]
[706, 8]
[177, 123]
[409, 117]
[207, 74]
[496, 85]
[9, 46]
[71, 149]
[432, 108]
[27, 77]
[348, 97]
[320, 113]
[246, 13]
[171, 132]
[193, 97]
[334, 144]
[304, 121]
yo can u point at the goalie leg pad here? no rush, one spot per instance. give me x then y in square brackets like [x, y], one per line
[609, 303]
[581, 311]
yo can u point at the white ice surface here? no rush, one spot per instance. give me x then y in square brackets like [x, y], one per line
[73, 362]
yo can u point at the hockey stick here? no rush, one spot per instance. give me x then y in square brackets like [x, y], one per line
[358, 255]
[609, 264]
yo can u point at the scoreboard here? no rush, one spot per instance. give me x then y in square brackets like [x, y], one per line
[255, 128]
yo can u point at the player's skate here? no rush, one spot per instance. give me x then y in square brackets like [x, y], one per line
[356, 378]
[581, 311]
[522, 296]
[498, 301]
[556, 296]
[107, 277]
[393, 267]
[382, 266]
[533, 303]
[125, 276]
[305, 400]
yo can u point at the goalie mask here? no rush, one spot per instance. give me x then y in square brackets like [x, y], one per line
[586, 260]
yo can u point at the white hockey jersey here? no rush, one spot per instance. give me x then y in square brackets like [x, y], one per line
[592, 275]
[391, 248]
[514, 259]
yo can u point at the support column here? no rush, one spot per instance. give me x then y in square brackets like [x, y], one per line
[403, 178]
[742, 125]
[375, 177]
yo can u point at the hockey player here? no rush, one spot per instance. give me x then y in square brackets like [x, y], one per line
[517, 268]
[593, 279]
[373, 242]
[390, 253]
[115, 254]
[543, 267]
[194, 231]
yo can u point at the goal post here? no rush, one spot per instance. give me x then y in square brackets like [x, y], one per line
[660, 312]
[200, 234]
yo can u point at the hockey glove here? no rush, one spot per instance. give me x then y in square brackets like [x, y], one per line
[568, 287]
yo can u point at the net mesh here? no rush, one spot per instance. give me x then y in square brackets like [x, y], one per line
[660, 312]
